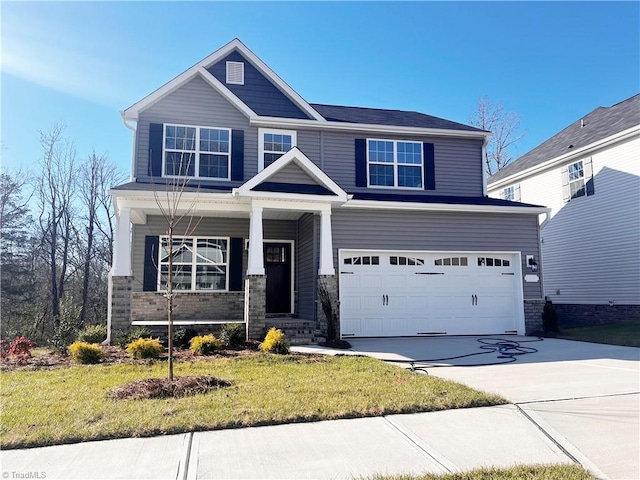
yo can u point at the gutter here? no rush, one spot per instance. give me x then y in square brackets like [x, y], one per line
[132, 176]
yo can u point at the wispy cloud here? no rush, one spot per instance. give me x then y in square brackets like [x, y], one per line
[64, 55]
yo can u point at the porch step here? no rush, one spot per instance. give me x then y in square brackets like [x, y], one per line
[298, 332]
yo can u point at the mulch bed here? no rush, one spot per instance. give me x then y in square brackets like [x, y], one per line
[165, 388]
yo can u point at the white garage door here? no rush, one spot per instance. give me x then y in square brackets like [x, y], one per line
[428, 293]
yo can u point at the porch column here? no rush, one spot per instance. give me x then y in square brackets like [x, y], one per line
[326, 244]
[256, 255]
[122, 244]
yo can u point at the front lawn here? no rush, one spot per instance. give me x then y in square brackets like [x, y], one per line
[625, 334]
[70, 404]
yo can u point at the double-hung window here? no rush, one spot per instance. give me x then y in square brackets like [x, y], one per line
[576, 180]
[198, 263]
[510, 193]
[200, 152]
[273, 144]
[395, 163]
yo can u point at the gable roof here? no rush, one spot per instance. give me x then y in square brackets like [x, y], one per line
[378, 116]
[597, 125]
[201, 67]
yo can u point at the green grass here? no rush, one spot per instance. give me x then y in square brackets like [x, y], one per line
[521, 472]
[63, 405]
[626, 334]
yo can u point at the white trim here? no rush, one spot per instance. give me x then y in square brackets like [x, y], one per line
[261, 133]
[240, 71]
[255, 261]
[196, 152]
[293, 270]
[295, 123]
[565, 158]
[326, 266]
[194, 263]
[122, 242]
[445, 207]
[395, 164]
[134, 110]
[299, 158]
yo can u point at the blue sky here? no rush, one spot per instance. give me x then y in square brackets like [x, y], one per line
[81, 63]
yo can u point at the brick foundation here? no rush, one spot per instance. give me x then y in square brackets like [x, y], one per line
[572, 315]
[331, 283]
[120, 305]
[255, 294]
[533, 316]
[215, 306]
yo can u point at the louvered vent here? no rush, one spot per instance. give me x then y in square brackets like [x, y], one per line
[235, 73]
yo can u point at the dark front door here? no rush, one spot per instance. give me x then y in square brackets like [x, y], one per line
[277, 265]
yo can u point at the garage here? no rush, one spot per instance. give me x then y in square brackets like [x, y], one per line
[400, 293]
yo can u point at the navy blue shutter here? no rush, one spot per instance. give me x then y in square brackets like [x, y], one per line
[361, 162]
[151, 246]
[235, 264]
[155, 149]
[429, 166]
[237, 155]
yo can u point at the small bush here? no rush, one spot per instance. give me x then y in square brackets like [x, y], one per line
[64, 335]
[232, 334]
[92, 334]
[86, 353]
[182, 336]
[145, 348]
[205, 344]
[275, 342]
[128, 336]
[21, 346]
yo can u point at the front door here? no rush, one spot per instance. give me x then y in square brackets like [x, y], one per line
[277, 265]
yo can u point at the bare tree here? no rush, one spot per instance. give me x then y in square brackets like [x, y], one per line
[178, 214]
[505, 126]
[55, 192]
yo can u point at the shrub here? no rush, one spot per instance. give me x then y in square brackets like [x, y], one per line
[182, 336]
[21, 346]
[92, 334]
[232, 334]
[64, 335]
[205, 344]
[550, 318]
[145, 348]
[275, 342]
[84, 352]
[128, 336]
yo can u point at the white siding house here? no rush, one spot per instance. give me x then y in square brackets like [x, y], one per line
[589, 176]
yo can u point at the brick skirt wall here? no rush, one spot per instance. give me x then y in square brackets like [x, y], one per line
[570, 315]
[214, 306]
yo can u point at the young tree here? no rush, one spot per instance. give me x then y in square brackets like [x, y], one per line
[505, 126]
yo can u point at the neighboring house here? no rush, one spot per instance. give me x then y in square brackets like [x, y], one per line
[589, 175]
[385, 208]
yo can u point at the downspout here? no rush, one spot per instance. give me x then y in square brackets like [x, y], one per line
[484, 164]
[132, 176]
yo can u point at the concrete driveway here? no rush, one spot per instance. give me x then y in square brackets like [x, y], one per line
[584, 396]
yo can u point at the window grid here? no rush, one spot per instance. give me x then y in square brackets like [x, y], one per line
[274, 144]
[395, 163]
[200, 152]
[510, 193]
[576, 180]
[207, 257]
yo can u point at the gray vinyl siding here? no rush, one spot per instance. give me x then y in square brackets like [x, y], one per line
[258, 92]
[195, 103]
[307, 266]
[406, 230]
[458, 163]
[206, 227]
[292, 174]
[309, 143]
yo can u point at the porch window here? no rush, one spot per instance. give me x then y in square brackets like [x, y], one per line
[200, 152]
[199, 263]
[273, 144]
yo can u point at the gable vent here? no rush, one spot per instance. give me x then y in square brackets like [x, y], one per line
[235, 73]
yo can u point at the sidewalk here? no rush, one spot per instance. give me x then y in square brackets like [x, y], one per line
[436, 442]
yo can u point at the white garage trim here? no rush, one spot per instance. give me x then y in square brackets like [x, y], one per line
[415, 293]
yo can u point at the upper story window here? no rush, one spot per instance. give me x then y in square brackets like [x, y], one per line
[510, 193]
[576, 180]
[394, 163]
[273, 144]
[198, 263]
[200, 152]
